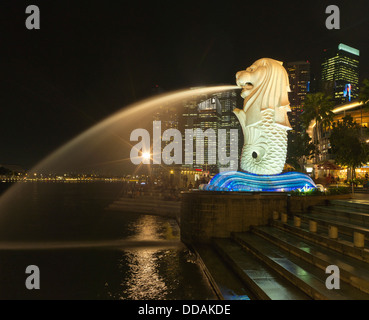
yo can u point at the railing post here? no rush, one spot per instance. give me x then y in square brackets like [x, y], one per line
[359, 239]
[284, 217]
[313, 226]
[333, 232]
[297, 221]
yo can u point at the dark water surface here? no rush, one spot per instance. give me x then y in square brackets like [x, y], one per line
[86, 252]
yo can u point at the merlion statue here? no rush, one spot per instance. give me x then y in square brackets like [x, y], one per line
[264, 123]
[264, 118]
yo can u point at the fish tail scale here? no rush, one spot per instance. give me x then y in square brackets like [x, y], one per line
[269, 137]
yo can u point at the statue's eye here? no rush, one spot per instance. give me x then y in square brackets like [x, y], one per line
[254, 155]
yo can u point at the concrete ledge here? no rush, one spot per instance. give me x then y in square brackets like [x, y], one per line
[298, 204]
[212, 214]
[206, 215]
[343, 247]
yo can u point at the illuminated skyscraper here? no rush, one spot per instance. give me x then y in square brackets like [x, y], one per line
[212, 112]
[299, 77]
[230, 100]
[340, 73]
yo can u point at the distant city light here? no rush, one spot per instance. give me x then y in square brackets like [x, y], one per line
[349, 49]
[146, 155]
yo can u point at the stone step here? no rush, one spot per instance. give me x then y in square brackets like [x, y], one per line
[300, 273]
[144, 205]
[343, 244]
[346, 213]
[352, 271]
[265, 283]
[355, 204]
[361, 190]
[347, 228]
[225, 282]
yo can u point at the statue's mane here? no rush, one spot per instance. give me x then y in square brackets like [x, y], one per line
[273, 91]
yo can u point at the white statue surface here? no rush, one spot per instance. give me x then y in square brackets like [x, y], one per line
[263, 117]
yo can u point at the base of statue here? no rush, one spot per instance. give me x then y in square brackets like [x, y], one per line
[243, 181]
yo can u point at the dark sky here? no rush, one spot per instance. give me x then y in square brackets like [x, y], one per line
[92, 58]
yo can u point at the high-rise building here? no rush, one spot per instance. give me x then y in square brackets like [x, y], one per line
[169, 119]
[299, 77]
[340, 73]
[209, 117]
[230, 100]
[212, 112]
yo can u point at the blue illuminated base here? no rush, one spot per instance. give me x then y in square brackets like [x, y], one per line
[243, 181]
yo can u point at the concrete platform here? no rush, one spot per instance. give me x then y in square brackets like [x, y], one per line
[278, 259]
[343, 244]
[352, 271]
[147, 205]
[265, 283]
[225, 282]
[305, 276]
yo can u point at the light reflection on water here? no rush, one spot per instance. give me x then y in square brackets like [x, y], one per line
[117, 255]
[145, 281]
[155, 273]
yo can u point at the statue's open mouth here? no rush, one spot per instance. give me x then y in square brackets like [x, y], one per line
[246, 88]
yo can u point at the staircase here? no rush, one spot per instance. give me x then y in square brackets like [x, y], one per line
[152, 203]
[287, 259]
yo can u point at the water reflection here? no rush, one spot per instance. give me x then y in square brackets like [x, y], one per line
[157, 273]
[145, 281]
[91, 253]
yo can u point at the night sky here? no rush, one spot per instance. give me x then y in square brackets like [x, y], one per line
[92, 58]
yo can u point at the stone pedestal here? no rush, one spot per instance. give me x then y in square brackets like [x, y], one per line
[297, 221]
[313, 226]
[359, 240]
[333, 232]
[284, 217]
[209, 214]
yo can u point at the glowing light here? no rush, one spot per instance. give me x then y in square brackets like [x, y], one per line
[349, 49]
[347, 106]
[347, 91]
[146, 155]
[242, 181]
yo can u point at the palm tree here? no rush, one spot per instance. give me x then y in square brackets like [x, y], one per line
[318, 107]
[364, 93]
[364, 98]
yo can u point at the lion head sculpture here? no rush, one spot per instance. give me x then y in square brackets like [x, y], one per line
[265, 85]
[263, 118]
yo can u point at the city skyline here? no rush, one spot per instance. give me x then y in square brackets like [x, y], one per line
[340, 71]
[86, 63]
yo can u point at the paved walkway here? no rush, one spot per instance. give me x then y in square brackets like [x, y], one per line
[361, 198]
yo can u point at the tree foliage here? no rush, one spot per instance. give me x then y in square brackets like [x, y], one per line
[364, 93]
[299, 148]
[350, 150]
[317, 107]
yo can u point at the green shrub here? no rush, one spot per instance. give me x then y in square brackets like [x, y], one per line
[338, 190]
[316, 192]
